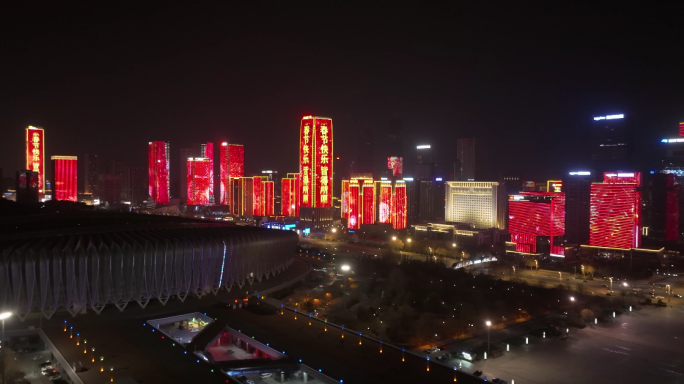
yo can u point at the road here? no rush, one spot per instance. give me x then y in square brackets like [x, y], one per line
[338, 248]
[644, 346]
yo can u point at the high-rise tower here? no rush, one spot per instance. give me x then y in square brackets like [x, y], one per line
[316, 170]
[158, 168]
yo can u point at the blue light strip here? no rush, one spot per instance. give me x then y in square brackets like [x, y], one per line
[223, 264]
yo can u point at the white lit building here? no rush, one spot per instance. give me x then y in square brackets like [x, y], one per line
[478, 203]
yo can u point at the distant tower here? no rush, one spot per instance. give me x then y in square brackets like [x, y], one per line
[395, 140]
[91, 168]
[158, 168]
[64, 174]
[465, 152]
[35, 154]
[611, 143]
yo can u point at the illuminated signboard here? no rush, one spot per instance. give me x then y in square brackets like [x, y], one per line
[622, 178]
[609, 117]
[580, 173]
[323, 169]
[396, 164]
[315, 161]
[678, 140]
[306, 167]
[426, 146]
[35, 149]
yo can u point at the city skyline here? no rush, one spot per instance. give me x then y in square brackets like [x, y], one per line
[588, 69]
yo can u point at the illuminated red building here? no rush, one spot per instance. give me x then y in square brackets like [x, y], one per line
[537, 219]
[316, 170]
[64, 173]
[199, 181]
[365, 201]
[290, 195]
[681, 129]
[399, 205]
[236, 167]
[35, 154]
[223, 174]
[664, 199]
[615, 211]
[207, 152]
[267, 199]
[257, 203]
[158, 171]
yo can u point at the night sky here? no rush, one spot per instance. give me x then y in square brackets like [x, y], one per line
[106, 78]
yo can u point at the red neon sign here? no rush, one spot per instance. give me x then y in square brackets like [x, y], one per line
[35, 149]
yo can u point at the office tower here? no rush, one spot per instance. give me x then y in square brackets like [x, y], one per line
[365, 201]
[64, 174]
[537, 222]
[396, 166]
[257, 196]
[611, 142]
[664, 198]
[91, 167]
[207, 152]
[290, 195]
[35, 154]
[27, 186]
[110, 188]
[425, 164]
[554, 186]
[365, 152]
[223, 174]
[118, 167]
[267, 198]
[185, 154]
[137, 184]
[158, 168]
[395, 141]
[198, 181]
[478, 203]
[243, 196]
[316, 170]
[236, 167]
[577, 189]
[465, 152]
[615, 211]
[2, 184]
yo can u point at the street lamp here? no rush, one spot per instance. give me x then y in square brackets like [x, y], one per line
[560, 276]
[611, 283]
[345, 268]
[489, 324]
[409, 239]
[453, 244]
[394, 238]
[3, 316]
[536, 265]
[572, 308]
[583, 270]
[334, 230]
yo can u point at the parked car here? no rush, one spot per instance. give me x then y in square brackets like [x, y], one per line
[477, 373]
[266, 374]
[56, 377]
[678, 295]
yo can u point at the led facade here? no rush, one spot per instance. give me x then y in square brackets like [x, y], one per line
[199, 181]
[396, 164]
[315, 162]
[158, 171]
[267, 199]
[64, 173]
[236, 165]
[257, 208]
[365, 201]
[35, 154]
[290, 195]
[399, 214]
[478, 203]
[681, 129]
[223, 174]
[614, 215]
[207, 151]
[535, 214]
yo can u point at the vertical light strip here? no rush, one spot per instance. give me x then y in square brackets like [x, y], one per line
[223, 264]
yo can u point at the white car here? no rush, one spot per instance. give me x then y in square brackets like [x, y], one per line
[266, 374]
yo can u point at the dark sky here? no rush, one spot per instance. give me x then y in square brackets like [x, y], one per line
[107, 77]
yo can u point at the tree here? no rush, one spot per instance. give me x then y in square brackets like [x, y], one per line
[396, 244]
[587, 314]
